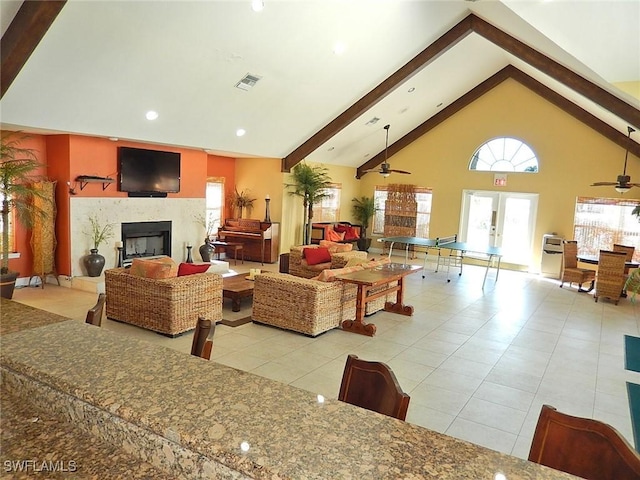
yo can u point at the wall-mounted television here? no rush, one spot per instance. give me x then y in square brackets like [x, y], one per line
[144, 172]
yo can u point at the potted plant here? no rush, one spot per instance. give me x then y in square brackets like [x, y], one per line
[18, 169]
[310, 183]
[632, 285]
[99, 233]
[363, 209]
[241, 200]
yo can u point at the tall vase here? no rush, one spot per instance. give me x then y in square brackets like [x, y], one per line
[93, 263]
[207, 251]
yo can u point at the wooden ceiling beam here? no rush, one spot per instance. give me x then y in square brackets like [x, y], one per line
[23, 36]
[556, 71]
[428, 55]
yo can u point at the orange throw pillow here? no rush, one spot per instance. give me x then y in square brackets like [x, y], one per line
[333, 236]
[156, 268]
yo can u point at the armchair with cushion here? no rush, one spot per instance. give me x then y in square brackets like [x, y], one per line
[570, 271]
[300, 266]
[170, 306]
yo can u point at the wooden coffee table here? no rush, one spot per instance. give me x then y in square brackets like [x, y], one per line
[237, 287]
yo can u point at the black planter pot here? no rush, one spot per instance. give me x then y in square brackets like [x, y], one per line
[364, 244]
[7, 284]
[207, 251]
[93, 263]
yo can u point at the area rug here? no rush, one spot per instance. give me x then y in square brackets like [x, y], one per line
[235, 323]
[634, 406]
[632, 353]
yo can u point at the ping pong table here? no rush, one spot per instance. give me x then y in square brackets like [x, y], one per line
[459, 250]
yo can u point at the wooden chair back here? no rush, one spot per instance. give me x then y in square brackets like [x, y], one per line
[584, 447]
[372, 385]
[94, 314]
[611, 277]
[202, 338]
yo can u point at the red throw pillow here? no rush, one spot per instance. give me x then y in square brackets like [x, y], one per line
[192, 268]
[351, 234]
[314, 256]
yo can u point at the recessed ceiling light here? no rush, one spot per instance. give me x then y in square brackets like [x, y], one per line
[240, 132]
[257, 5]
[151, 115]
[339, 48]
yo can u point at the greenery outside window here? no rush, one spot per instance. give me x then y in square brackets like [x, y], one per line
[504, 154]
[214, 203]
[423, 215]
[328, 210]
[601, 222]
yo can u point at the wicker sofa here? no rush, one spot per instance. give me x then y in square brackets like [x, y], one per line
[299, 268]
[307, 305]
[170, 306]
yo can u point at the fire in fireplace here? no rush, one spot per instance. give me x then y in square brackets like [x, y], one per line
[146, 239]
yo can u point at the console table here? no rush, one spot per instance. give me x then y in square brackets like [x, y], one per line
[390, 276]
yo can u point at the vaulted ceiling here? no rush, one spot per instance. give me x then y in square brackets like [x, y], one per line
[100, 66]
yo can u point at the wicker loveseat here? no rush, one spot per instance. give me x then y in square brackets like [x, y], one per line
[170, 306]
[299, 268]
[307, 305]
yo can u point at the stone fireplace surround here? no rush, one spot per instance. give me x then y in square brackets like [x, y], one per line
[181, 212]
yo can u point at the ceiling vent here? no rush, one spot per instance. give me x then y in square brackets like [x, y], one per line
[373, 121]
[248, 82]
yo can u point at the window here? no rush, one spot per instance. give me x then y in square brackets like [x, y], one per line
[601, 222]
[423, 215]
[328, 209]
[504, 154]
[9, 228]
[214, 203]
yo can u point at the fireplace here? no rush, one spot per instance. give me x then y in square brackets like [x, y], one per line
[145, 239]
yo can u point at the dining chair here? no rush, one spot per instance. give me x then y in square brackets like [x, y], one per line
[610, 279]
[374, 386]
[94, 314]
[584, 447]
[570, 271]
[628, 250]
[202, 343]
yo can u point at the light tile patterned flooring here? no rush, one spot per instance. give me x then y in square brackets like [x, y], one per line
[477, 364]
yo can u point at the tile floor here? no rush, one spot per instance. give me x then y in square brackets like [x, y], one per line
[477, 364]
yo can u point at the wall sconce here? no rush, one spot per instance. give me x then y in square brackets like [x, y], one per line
[72, 190]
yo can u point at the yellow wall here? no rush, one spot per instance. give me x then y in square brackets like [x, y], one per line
[632, 88]
[571, 157]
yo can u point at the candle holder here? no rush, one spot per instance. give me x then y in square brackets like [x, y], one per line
[267, 215]
[189, 259]
[120, 256]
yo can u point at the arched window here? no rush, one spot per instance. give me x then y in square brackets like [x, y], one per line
[504, 154]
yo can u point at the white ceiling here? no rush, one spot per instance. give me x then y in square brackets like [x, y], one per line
[103, 64]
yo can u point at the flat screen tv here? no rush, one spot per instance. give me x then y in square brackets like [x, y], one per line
[148, 172]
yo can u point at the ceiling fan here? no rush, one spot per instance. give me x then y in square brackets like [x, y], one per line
[623, 184]
[385, 169]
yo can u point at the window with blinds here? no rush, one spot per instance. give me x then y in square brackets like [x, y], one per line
[601, 222]
[419, 218]
[328, 209]
[214, 203]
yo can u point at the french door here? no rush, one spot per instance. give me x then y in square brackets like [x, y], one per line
[500, 219]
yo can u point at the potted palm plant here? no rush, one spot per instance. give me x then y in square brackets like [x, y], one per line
[310, 183]
[363, 209]
[18, 169]
[242, 200]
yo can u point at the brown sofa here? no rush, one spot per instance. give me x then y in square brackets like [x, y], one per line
[170, 306]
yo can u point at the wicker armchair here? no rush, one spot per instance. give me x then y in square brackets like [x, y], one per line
[299, 268]
[300, 304]
[570, 271]
[170, 306]
[611, 278]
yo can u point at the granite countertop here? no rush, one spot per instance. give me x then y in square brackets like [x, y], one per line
[15, 317]
[210, 409]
